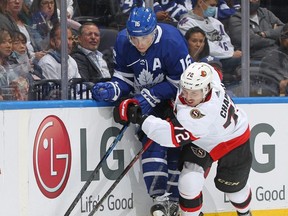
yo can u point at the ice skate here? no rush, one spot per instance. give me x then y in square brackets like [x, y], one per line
[163, 207]
[160, 206]
[173, 209]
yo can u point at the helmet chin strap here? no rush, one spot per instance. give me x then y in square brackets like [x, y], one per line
[207, 92]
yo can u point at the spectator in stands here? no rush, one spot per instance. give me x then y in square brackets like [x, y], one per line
[44, 17]
[219, 42]
[199, 48]
[20, 53]
[235, 3]
[225, 9]
[167, 11]
[197, 43]
[51, 62]
[70, 8]
[5, 52]
[9, 11]
[19, 48]
[90, 61]
[275, 63]
[19, 66]
[13, 85]
[175, 8]
[265, 30]
[13, 18]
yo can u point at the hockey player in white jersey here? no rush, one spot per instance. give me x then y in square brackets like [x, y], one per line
[208, 127]
[149, 60]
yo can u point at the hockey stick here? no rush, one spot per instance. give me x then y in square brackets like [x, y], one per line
[145, 147]
[91, 177]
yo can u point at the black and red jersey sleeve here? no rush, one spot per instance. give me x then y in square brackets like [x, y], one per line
[180, 136]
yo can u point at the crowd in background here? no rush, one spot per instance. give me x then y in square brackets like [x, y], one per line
[30, 41]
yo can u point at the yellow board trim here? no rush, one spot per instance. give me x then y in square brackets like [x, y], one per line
[274, 212]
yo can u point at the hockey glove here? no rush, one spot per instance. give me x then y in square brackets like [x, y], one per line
[106, 91]
[128, 111]
[147, 101]
[135, 115]
[168, 113]
[120, 112]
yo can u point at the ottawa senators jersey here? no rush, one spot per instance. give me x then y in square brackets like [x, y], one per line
[216, 125]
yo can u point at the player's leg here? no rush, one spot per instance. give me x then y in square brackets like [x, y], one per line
[196, 164]
[155, 173]
[173, 177]
[241, 200]
[191, 182]
[232, 178]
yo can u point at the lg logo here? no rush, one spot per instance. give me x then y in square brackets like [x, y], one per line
[52, 156]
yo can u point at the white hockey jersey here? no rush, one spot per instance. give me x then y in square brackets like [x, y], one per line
[216, 125]
[219, 41]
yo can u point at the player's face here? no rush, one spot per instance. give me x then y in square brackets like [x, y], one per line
[142, 43]
[192, 97]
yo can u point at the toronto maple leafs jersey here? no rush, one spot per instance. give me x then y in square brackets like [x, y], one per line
[175, 8]
[219, 41]
[216, 125]
[127, 5]
[158, 70]
[223, 10]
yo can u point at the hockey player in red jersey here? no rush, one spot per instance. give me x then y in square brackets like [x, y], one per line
[208, 127]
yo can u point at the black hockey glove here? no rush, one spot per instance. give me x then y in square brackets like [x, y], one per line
[120, 112]
[135, 115]
[166, 111]
[128, 111]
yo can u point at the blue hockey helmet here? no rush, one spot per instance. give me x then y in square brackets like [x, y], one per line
[142, 21]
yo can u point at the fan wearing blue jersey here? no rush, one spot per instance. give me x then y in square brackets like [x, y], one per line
[149, 60]
[170, 10]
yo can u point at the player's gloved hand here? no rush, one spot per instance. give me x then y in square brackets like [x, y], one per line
[135, 115]
[106, 91]
[147, 101]
[168, 113]
[121, 112]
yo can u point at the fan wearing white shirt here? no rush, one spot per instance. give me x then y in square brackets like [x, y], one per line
[51, 62]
